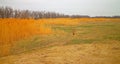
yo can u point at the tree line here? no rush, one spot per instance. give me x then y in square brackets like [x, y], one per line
[8, 12]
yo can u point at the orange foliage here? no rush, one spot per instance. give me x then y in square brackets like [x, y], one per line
[15, 29]
[75, 21]
[62, 21]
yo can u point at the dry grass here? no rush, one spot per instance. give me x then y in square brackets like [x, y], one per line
[16, 29]
[12, 30]
[74, 21]
[95, 53]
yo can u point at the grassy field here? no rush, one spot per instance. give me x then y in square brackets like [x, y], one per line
[60, 41]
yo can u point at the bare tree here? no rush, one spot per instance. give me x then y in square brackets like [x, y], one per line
[25, 14]
[7, 12]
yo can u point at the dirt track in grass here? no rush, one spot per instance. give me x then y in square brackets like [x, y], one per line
[96, 41]
[95, 53]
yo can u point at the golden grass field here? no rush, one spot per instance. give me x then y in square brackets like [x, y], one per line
[51, 41]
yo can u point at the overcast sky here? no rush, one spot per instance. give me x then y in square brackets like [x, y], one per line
[82, 7]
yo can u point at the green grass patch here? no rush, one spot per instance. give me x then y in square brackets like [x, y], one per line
[113, 37]
[82, 41]
[86, 33]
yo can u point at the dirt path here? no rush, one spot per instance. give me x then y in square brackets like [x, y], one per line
[69, 54]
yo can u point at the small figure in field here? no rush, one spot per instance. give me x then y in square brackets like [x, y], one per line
[73, 32]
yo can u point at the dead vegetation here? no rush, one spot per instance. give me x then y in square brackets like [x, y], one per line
[71, 54]
[51, 41]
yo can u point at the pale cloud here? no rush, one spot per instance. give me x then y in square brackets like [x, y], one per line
[87, 7]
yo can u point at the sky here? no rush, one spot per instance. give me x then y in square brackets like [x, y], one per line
[70, 7]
